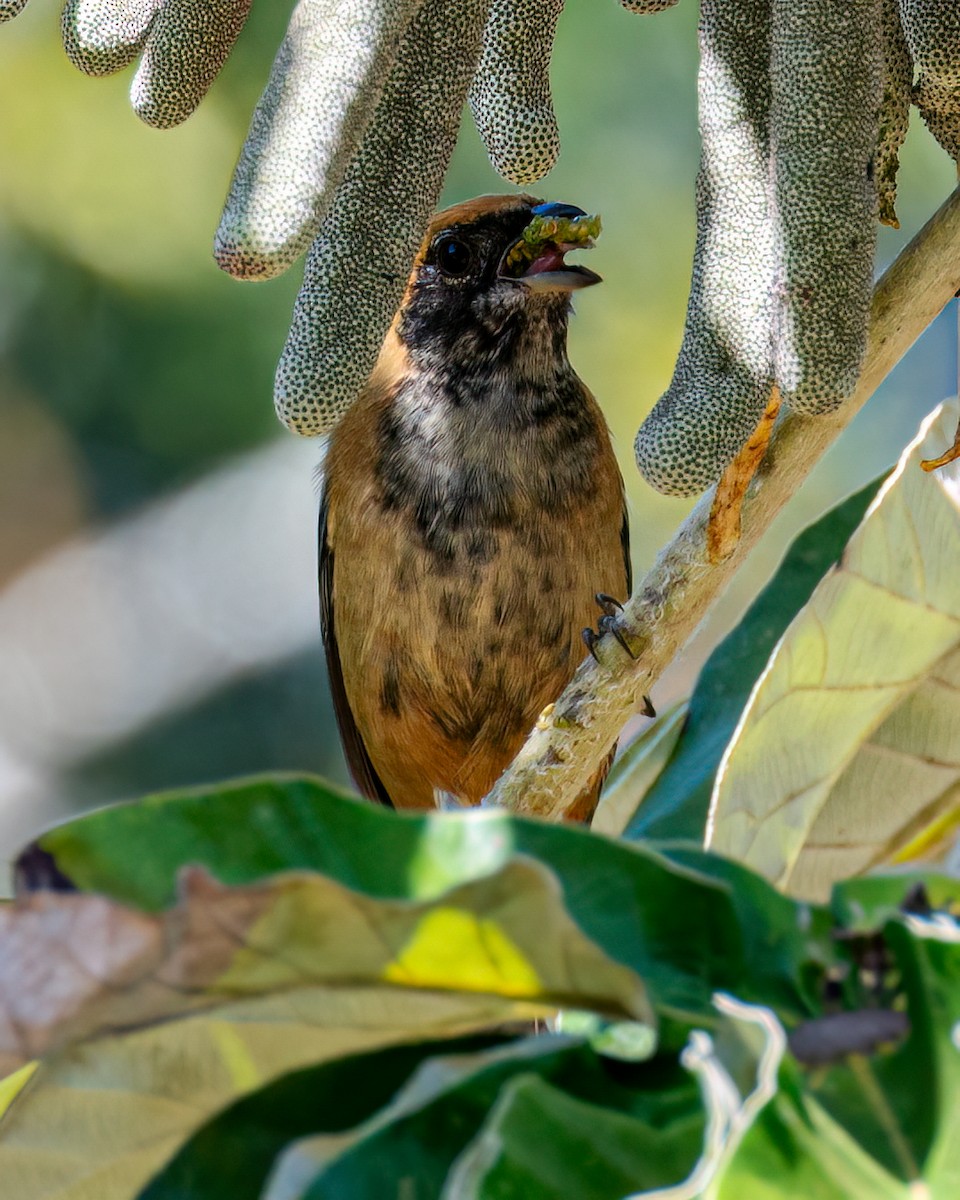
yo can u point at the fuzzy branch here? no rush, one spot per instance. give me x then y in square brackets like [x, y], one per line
[562, 753]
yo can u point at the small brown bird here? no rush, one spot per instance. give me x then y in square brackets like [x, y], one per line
[472, 508]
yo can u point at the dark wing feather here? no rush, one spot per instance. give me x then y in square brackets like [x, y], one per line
[625, 543]
[358, 760]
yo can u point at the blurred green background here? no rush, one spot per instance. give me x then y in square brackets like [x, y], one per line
[157, 610]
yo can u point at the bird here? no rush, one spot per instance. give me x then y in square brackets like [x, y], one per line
[472, 513]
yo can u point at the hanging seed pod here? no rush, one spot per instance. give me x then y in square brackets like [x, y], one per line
[324, 86]
[647, 6]
[510, 96]
[894, 111]
[723, 375]
[187, 45]
[932, 29]
[826, 71]
[10, 8]
[357, 268]
[940, 109]
[104, 36]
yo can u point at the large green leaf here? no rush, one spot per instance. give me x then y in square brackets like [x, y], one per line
[293, 970]
[442, 1109]
[230, 1157]
[796, 1149]
[96, 1121]
[928, 953]
[296, 989]
[849, 744]
[681, 926]
[675, 803]
[98, 966]
[540, 1143]
[495, 917]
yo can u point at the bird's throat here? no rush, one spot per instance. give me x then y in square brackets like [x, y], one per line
[471, 454]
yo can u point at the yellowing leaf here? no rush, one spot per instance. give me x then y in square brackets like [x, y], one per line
[449, 939]
[149, 1023]
[77, 966]
[99, 1119]
[850, 744]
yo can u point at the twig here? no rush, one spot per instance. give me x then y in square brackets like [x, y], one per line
[561, 755]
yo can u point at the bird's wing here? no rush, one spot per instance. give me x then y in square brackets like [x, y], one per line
[358, 760]
[625, 543]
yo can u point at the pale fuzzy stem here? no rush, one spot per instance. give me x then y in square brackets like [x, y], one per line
[562, 753]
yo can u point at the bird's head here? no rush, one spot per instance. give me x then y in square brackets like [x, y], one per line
[491, 271]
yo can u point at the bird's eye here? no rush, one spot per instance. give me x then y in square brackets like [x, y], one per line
[453, 256]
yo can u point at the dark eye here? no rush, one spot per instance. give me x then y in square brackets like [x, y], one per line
[453, 256]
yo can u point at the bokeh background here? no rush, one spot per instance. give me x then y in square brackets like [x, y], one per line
[157, 528]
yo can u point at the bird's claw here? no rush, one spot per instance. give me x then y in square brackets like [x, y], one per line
[590, 640]
[609, 623]
[610, 608]
[608, 605]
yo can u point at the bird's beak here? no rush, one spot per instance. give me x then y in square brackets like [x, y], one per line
[536, 260]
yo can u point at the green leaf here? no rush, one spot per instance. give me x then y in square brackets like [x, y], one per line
[589, 1152]
[789, 945]
[847, 750]
[795, 1149]
[680, 929]
[444, 1106]
[230, 1157]
[868, 902]
[506, 935]
[882, 1126]
[98, 1120]
[540, 1143]
[248, 983]
[636, 770]
[928, 954]
[676, 804]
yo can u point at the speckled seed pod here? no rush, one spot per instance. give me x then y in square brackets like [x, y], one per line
[10, 8]
[103, 36]
[510, 96]
[932, 29]
[187, 45]
[894, 111]
[723, 374]
[357, 267]
[940, 109]
[326, 80]
[826, 71]
[647, 6]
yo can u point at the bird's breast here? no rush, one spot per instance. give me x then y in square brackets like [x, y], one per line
[468, 547]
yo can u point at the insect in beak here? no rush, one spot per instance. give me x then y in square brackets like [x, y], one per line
[537, 261]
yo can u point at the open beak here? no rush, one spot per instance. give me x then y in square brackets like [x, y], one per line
[537, 261]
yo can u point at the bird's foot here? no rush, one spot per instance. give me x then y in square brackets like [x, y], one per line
[609, 622]
[610, 609]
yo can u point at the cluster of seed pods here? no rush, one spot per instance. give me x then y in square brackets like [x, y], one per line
[803, 108]
[789, 92]
[347, 148]
[347, 153]
[932, 29]
[182, 45]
